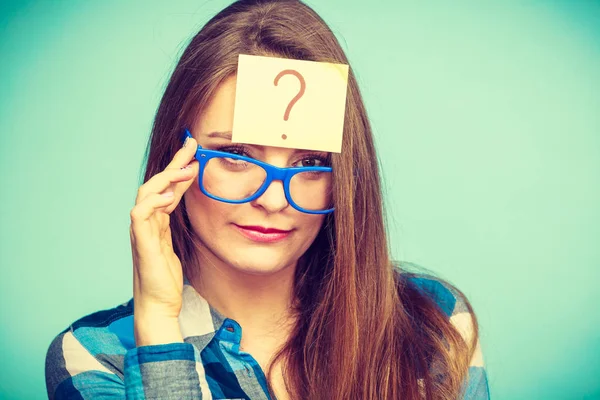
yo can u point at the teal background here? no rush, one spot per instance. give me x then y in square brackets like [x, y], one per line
[487, 122]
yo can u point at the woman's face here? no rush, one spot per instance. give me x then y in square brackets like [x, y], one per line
[217, 224]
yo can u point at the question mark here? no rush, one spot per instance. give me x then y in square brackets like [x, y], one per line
[297, 74]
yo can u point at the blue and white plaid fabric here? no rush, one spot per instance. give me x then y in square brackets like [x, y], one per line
[96, 357]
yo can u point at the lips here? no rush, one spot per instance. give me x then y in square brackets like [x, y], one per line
[262, 229]
[261, 234]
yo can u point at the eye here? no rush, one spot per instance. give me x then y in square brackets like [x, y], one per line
[237, 150]
[312, 161]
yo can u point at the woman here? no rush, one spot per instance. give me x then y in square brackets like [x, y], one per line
[304, 273]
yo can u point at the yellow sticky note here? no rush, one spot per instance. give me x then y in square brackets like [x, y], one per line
[290, 103]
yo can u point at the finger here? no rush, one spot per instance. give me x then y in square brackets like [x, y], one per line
[166, 181]
[141, 231]
[143, 211]
[184, 155]
[180, 188]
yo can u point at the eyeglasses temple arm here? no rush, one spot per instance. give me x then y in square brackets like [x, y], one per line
[186, 134]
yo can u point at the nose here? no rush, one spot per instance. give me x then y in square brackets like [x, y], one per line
[273, 199]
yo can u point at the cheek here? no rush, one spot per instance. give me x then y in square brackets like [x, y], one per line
[208, 215]
[311, 225]
[203, 211]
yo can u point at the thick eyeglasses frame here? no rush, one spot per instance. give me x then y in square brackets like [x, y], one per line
[273, 174]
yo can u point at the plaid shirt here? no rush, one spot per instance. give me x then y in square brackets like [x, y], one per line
[96, 357]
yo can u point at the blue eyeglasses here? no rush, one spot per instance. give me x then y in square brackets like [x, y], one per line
[236, 179]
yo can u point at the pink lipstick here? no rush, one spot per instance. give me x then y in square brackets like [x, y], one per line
[262, 234]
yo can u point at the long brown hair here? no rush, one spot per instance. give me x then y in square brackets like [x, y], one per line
[363, 332]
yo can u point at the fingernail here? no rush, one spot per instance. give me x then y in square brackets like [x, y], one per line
[168, 194]
[189, 166]
[185, 141]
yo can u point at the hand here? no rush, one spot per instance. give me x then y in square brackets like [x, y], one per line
[157, 271]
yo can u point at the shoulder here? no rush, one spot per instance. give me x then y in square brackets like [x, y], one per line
[92, 345]
[455, 305]
[445, 295]
[450, 299]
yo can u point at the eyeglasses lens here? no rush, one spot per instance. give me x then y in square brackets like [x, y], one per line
[233, 179]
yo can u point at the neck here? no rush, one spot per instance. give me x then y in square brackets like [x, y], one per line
[260, 303]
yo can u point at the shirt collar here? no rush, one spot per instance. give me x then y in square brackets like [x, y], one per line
[197, 317]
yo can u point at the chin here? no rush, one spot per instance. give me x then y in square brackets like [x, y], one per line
[251, 264]
[258, 271]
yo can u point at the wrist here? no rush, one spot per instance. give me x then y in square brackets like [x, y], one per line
[154, 331]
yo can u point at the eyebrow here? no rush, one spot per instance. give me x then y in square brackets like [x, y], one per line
[227, 135]
[224, 135]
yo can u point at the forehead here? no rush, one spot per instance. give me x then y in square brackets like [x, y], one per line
[216, 121]
[218, 114]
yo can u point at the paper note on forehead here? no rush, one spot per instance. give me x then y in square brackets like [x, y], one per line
[290, 103]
